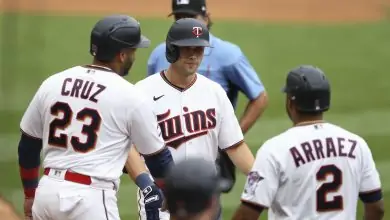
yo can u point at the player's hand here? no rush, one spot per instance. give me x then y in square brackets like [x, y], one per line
[153, 200]
[28, 203]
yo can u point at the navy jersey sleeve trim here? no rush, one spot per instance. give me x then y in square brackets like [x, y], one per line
[29, 151]
[371, 196]
[233, 146]
[254, 206]
[29, 135]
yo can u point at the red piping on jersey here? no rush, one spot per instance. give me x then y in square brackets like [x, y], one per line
[164, 77]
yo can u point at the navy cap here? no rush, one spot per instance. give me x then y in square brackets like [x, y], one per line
[191, 7]
[309, 88]
[191, 184]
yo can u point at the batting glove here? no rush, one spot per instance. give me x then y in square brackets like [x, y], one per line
[153, 197]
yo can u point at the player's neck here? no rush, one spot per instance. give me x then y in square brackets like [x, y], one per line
[178, 79]
[108, 66]
[308, 121]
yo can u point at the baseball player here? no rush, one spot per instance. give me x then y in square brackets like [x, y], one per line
[314, 170]
[85, 119]
[7, 211]
[192, 188]
[194, 113]
[223, 63]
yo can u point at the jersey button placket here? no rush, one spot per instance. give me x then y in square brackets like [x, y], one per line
[184, 110]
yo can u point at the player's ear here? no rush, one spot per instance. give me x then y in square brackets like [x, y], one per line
[122, 56]
[292, 106]
[205, 17]
[289, 103]
[208, 20]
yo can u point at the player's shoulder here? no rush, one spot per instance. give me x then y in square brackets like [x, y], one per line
[205, 82]
[150, 82]
[134, 97]
[277, 147]
[53, 80]
[114, 81]
[133, 93]
[340, 131]
[63, 73]
[272, 150]
[223, 47]
[277, 142]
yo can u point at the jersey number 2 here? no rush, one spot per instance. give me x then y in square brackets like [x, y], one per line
[323, 204]
[89, 130]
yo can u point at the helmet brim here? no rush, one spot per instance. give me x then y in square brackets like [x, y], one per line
[191, 43]
[144, 43]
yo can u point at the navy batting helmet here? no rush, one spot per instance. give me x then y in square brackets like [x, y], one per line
[185, 32]
[114, 33]
[309, 88]
[190, 185]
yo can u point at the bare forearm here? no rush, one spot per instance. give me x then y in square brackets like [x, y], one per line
[242, 157]
[247, 211]
[253, 111]
[373, 216]
[137, 171]
[374, 211]
[134, 164]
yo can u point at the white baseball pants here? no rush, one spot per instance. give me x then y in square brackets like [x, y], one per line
[58, 199]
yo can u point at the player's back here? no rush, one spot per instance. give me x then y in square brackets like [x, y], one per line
[86, 114]
[321, 169]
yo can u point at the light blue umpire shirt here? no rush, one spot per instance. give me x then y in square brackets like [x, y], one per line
[224, 63]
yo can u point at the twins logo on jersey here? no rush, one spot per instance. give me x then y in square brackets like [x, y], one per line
[253, 179]
[197, 123]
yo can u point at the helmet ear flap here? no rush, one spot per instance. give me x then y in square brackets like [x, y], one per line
[172, 53]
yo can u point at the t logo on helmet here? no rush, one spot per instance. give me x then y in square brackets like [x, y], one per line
[197, 31]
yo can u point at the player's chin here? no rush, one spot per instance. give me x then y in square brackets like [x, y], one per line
[191, 70]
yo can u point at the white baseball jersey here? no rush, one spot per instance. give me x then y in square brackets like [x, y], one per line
[195, 121]
[312, 172]
[87, 118]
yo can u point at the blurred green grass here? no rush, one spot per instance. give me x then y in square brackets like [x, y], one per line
[355, 58]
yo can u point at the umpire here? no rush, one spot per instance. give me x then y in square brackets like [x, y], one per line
[225, 64]
[192, 189]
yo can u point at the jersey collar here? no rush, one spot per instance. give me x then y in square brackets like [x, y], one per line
[162, 74]
[97, 67]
